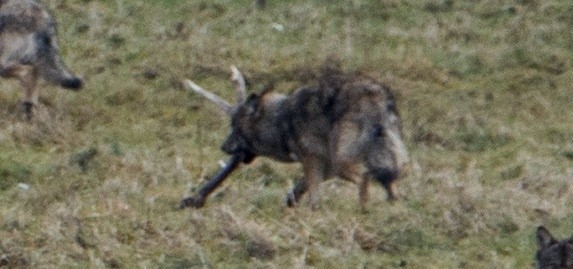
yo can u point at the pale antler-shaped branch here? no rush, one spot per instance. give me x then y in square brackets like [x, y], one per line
[222, 104]
[240, 85]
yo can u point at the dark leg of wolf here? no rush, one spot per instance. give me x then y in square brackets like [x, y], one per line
[198, 200]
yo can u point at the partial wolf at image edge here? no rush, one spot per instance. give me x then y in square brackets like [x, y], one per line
[29, 49]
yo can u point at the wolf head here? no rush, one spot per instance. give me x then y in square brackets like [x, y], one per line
[551, 253]
[244, 115]
[254, 127]
[243, 120]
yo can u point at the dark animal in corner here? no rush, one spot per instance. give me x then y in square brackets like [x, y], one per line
[552, 253]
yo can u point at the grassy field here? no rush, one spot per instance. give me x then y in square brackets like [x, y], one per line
[484, 88]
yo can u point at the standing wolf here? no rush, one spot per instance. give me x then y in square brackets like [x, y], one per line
[28, 49]
[345, 125]
[553, 254]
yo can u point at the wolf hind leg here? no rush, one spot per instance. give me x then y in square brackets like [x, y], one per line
[386, 177]
[31, 94]
[348, 144]
[293, 197]
[356, 173]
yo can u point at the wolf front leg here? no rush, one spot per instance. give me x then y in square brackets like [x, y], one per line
[28, 81]
[296, 193]
[314, 172]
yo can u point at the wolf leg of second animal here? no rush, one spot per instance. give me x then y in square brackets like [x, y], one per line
[29, 82]
[28, 77]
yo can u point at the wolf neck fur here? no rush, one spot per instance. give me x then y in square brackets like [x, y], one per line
[275, 129]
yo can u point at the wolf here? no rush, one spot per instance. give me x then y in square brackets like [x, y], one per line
[29, 49]
[344, 125]
[551, 253]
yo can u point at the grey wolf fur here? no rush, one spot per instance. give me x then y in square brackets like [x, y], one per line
[345, 125]
[552, 253]
[29, 49]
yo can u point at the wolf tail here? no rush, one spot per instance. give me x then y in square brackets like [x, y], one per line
[386, 156]
[50, 65]
[385, 176]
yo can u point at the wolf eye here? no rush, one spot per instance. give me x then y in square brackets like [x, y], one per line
[391, 106]
[377, 130]
[45, 39]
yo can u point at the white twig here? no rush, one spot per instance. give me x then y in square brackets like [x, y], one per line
[218, 101]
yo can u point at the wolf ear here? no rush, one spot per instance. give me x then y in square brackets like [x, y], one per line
[255, 102]
[544, 237]
[253, 105]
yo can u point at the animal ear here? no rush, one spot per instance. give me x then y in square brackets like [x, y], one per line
[253, 105]
[544, 237]
[391, 106]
